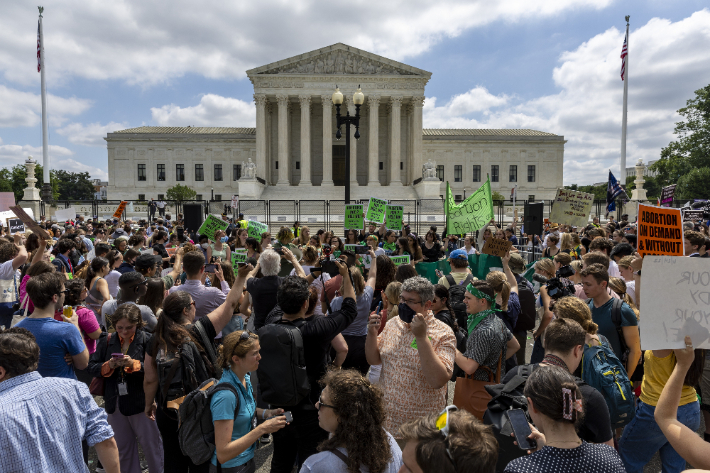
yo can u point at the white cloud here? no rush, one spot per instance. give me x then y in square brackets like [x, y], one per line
[72, 165]
[92, 134]
[25, 108]
[10, 155]
[213, 110]
[668, 62]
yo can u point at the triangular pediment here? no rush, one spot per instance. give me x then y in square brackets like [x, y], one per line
[338, 59]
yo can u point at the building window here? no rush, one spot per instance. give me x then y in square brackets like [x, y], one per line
[236, 172]
[477, 173]
[440, 172]
[382, 165]
[161, 196]
[298, 164]
[179, 172]
[141, 172]
[161, 172]
[531, 173]
[401, 165]
[531, 198]
[277, 164]
[494, 173]
[457, 197]
[141, 196]
[217, 172]
[513, 174]
[198, 196]
[199, 173]
[218, 197]
[458, 172]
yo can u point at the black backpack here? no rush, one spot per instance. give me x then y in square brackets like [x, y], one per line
[282, 368]
[528, 311]
[461, 340]
[456, 294]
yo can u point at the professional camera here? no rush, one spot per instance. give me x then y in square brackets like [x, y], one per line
[556, 287]
[327, 265]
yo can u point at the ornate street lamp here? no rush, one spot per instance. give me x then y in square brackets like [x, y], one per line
[358, 100]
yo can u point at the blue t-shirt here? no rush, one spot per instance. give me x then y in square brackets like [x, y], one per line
[55, 339]
[602, 317]
[222, 406]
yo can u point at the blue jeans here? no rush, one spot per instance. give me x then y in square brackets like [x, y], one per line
[642, 438]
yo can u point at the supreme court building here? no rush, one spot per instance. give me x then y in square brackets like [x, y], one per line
[293, 154]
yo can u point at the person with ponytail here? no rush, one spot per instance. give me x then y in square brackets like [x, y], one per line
[97, 285]
[441, 307]
[506, 288]
[555, 405]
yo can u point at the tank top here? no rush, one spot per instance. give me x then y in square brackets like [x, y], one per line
[219, 254]
[94, 299]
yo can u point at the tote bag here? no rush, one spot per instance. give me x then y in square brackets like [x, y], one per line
[471, 395]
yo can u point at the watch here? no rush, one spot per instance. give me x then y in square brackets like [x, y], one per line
[637, 273]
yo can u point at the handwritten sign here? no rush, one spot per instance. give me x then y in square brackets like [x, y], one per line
[692, 215]
[211, 225]
[472, 214]
[376, 210]
[399, 260]
[120, 209]
[667, 194]
[29, 222]
[237, 258]
[235, 201]
[496, 247]
[676, 302]
[660, 231]
[15, 225]
[63, 215]
[393, 217]
[571, 207]
[353, 217]
[255, 229]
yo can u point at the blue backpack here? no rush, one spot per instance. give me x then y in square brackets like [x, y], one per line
[602, 370]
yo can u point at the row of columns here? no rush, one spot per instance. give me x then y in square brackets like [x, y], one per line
[373, 104]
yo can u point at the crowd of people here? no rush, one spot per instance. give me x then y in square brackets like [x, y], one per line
[341, 357]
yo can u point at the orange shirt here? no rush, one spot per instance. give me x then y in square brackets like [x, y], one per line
[107, 371]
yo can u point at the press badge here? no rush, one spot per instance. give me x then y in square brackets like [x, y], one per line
[122, 389]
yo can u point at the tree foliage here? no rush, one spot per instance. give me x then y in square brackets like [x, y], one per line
[179, 192]
[694, 185]
[651, 185]
[74, 185]
[13, 180]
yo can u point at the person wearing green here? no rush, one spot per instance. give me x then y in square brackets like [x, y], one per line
[283, 240]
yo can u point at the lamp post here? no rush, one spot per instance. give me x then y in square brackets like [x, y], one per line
[358, 99]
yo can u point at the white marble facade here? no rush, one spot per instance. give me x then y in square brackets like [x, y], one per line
[295, 150]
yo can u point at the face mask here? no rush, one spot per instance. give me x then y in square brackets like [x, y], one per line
[205, 245]
[406, 313]
[224, 239]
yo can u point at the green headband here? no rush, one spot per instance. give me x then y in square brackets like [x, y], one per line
[480, 295]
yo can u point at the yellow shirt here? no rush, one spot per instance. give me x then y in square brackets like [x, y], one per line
[656, 374]
[458, 277]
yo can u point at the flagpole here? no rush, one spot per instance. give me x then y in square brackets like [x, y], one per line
[46, 187]
[623, 117]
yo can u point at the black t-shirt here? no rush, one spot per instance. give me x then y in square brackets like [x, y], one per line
[433, 254]
[160, 248]
[263, 295]
[596, 424]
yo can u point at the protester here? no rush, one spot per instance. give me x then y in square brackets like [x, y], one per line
[35, 269]
[263, 290]
[88, 325]
[207, 299]
[404, 272]
[458, 262]
[220, 251]
[133, 287]
[253, 248]
[97, 285]
[150, 266]
[552, 248]
[129, 259]
[115, 260]
[506, 289]
[431, 249]
[154, 296]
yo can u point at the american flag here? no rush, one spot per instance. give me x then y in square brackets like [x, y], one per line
[613, 190]
[624, 53]
[39, 50]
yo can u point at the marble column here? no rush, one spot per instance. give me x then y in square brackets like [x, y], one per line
[327, 141]
[395, 140]
[416, 138]
[373, 104]
[283, 140]
[353, 148]
[305, 140]
[261, 167]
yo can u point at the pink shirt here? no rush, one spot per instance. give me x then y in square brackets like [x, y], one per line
[87, 324]
[23, 293]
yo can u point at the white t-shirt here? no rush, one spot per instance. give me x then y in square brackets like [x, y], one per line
[112, 281]
[614, 269]
[6, 270]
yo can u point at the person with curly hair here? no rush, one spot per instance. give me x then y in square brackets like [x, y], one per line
[352, 410]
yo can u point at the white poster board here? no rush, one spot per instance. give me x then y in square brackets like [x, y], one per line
[62, 215]
[571, 207]
[675, 301]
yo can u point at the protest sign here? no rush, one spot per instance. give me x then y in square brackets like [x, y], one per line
[399, 260]
[235, 201]
[255, 229]
[238, 257]
[667, 194]
[472, 214]
[171, 251]
[353, 217]
[571, 207]
[376, 210]
[120, 209]
[7, 200]
[393, 217]
[29, 222]
[496, 247]
[366, 260]
[675, 301]
[692, 215]
[211, 225]
[146, 251]
[62, 215]
[660, 231]
[15, 225]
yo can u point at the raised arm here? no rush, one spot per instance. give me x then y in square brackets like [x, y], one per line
[373, 271]
[175, 274]
[21, 257]
[288, 255]
[221, 316]
[509, 274]
[39, 254]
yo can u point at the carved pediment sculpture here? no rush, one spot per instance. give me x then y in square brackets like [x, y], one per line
[338, 62]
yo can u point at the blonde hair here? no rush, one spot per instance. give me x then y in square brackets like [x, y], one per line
[499, 283]
[566, 242]
[234, 345]
[392, 293]
[577, 265]
[310, 255]
[358, 282]
[573, 308]
[626, 261]
[618, 285]
[547, 266]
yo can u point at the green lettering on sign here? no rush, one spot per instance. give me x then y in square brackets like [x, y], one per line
[376, 210]
[470, 215]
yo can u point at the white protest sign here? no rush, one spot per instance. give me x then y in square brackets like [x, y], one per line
[62, 215]
[235, 201]
[571, 207]
[675, 296]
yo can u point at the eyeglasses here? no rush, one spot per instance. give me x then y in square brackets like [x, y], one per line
[442, 423]
[244, 336]
[65, 291]
[322, 404]
[402, 299]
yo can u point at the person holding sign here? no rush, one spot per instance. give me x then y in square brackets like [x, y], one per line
[219, 249]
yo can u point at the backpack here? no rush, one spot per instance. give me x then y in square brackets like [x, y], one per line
[461, 340]
[528, 311]
[602, 370]
[616, 306]
[282, 368]
[196, 430]
[456, 294]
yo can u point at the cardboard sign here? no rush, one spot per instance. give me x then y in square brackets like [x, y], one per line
[660, 231]
[171, 251]
[393, 217]
[353, 217]
[496, 247]
[676, 302]
[693, 215]
[15, 225]
[667, 194]
[120, 209]
[211, 225]
[571, 207]
[63, 215]
[235, 201]
[376, 210]
[29, 222]
[472, 214]
[255, 229]
[399, 260]
[7, 200]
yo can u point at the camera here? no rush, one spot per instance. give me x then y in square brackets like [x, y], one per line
[556, 287]
[327, 265]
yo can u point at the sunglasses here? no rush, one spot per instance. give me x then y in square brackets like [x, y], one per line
[322, 404]
[442, 423]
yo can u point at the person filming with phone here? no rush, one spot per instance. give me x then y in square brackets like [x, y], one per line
[206, 298]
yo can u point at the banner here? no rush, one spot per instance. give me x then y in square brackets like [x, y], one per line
[398, 260]
[211, 225]
[255, 229]
[63, 215]
[235, 201]
[480, 266]
[675, 301]
[120, 209]
[393, 217]
[353, 217]
[15, 225]
[496, 247]
[667, 194]
[693, 215]
[376, 210]
[29, 222]
[660, 231]
[571, 207]
[472, 214]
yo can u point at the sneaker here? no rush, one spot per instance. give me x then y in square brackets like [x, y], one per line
[265, 439]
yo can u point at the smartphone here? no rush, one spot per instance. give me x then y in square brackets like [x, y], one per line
[362, 250]
[209, 268]
[289, 417]
[379, 308]
[117, 355]
[279, 251]
[406, 313]
[521, 428]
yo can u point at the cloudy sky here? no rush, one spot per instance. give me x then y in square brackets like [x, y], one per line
[540, 64]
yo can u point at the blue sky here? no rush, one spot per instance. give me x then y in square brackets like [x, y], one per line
[550, 66]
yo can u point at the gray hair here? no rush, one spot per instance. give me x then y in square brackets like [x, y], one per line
[270, 263]
[421, 286]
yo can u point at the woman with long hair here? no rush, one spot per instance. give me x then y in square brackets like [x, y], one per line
[336, 245]
[351, 237]
[253, 248]
[121, 244]
[35, 269]
[618, 285]
[97, 285]
[88, 325]
[242, 236]
[284, 239]
[115, 260]
[432, 249]
[386, 271]
[416, 249]
[403, 248]
[219, 249]
[441, 307]
[304, 237]
[468, 245]
[551, 249]
[404, 272]
[265, 241]
[352, 410]
[154, 296]
[389, 244]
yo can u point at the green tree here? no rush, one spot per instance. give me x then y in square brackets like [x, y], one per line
[13, 180]
[179, 192]
[694, 185]
[74, 185]
[498, 198]
[651, 185]
[692, 149]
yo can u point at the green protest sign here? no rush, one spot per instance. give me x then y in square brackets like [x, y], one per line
[398, 260]
[376, 210]
[255, 229]
[238, 257]
[353, 217]
[393, 217]
[472, 214]
[211, 225]
[352, 248]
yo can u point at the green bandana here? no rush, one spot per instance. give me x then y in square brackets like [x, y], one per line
[479, 295]
[475, 319]
[389, 246]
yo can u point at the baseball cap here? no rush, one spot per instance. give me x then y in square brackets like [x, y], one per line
[516, 263]
[458, 254]
[147, 261]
